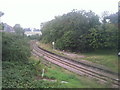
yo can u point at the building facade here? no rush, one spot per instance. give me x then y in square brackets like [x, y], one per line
[30, 32]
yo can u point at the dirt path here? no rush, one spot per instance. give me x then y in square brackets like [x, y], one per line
[72, 55]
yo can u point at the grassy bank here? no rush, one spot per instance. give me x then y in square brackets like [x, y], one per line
[107, 58]
[23, 75]
[28, 75]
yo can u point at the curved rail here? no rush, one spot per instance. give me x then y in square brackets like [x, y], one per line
[75, 67]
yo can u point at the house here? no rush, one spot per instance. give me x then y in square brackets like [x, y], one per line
[30, 32]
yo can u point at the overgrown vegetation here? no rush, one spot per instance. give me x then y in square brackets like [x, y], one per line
[1, 26]
[23, 75]
[34, 37]
[28, 75]
[75, 31]
[15, 47]
[15, 53]
[81, 31]
[20, 71]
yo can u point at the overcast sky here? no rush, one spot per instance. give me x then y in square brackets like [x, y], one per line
[30, 13]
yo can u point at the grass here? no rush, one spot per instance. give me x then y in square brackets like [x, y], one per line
[23, 75]
[55, 72]
[74, 81]
[105, 58]
[28, 75]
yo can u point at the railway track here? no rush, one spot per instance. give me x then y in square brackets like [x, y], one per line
[77, 68]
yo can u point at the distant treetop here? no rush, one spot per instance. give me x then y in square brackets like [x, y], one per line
[1, 13]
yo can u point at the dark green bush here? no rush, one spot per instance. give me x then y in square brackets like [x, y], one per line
[37, 37]
[14, 47]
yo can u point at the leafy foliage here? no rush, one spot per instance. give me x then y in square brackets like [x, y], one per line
[80, 31]
[33, 37]
[1, 26]
[18, 29]
[14, 47]
[24, 75]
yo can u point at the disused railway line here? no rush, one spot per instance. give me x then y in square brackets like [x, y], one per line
[78, 68]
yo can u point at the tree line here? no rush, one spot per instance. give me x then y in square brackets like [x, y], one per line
[82, 31]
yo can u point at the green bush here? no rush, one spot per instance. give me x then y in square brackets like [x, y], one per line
[67, 42]
[1, 27]
[14, 47]
[37, 37]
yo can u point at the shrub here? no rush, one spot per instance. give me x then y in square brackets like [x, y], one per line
[14, 47]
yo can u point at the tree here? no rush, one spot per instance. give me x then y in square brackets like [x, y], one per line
[104, 15]
[1, 14]
[18, 29]
[67, 30]
[81, 31]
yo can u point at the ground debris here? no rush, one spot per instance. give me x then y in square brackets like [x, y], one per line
[64, 82]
